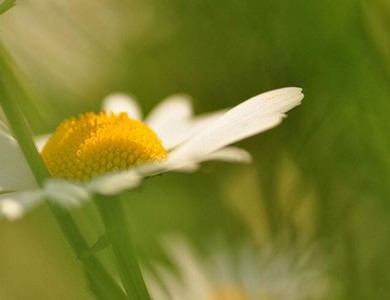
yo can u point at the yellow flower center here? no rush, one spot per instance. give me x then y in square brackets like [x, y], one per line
[94, 144]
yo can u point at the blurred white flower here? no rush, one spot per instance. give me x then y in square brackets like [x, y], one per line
[112, 151]
[275, 272]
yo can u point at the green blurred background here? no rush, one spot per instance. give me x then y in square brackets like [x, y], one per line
[323, 175]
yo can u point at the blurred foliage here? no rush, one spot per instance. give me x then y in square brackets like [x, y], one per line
[6, 5]
[322, 175]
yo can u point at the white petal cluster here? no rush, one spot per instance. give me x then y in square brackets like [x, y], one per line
[249, 273]
[189, 140]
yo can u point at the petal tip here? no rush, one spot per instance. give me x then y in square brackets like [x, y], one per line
[10, 210]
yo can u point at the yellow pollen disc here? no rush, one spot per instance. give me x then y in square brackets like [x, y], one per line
[94, 144]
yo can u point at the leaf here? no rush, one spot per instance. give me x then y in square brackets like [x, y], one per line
[103, 242]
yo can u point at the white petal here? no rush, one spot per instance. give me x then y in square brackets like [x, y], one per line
[175, 107]
[120, 102]
[154, 286]
[182, 132]
[249, 118]
[4, 129]
[227, 154]
[193, 273]
[174, 287]
[15, 173]
[198, 123]
[15, 205]
[41, 140]
[114, 183]
[169, 119]
[230, 154]
[66, 193]
[188, 168]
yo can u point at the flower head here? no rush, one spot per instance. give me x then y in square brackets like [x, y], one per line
[112, 151]
[271, 273]
[95, 144]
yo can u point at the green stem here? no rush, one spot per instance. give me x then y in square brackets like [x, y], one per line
[114, 219]
[95, 288]
[92, 265]
[14, 78]
[23, 135]
[64, 219]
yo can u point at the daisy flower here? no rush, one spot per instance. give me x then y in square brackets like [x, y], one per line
[112, 151]
[249, 273]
